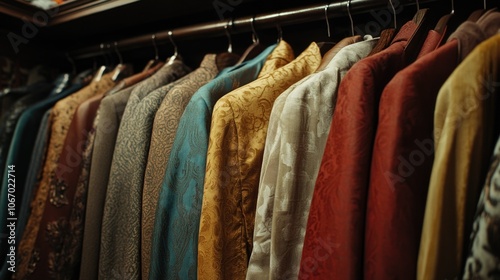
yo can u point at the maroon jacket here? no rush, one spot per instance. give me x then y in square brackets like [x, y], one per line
[333, 246]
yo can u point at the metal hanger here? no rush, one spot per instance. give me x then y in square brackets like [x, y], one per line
[109, 54]
[278, 27]
[450, 22]
[327, 21]
[120, 59]
[325, 47]
[72, 62]
[394, 13]
[350, 16]
[156, 59]
[102, 69]
[176, 54]
[228, 35]
[253, 46]
[255, 36]
[120, 66]
[477, 13]
[280, 33]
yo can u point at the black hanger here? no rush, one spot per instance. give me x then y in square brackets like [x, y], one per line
[385, 38]
[449, 23]
[424, 19]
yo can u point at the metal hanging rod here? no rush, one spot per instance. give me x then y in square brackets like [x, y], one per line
[262, 21]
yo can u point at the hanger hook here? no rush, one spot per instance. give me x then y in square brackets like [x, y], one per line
[453, 6]
[394, 13]
[173, 43]
[110, 53]
[484, 4]
[327, 21]
[228, 35]
[153, 38]
[280, 33]
[350, 16]
[418, 5]
[72, 62]
[255, 37]
[106, 62]
[118, 53]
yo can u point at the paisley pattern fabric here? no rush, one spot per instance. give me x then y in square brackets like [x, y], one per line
[237, 138]
[333, 245]
[404, 136]
[9, 120]
[483, 261]
[464, 131]
[107, 122]
[132, 80]
[121, 223]
[303, 121]
[106, 126]
[61, 116]
[162, 138]
[59, 204]
[28, 142]
[179, 205]
[319, 83]
[72, 245]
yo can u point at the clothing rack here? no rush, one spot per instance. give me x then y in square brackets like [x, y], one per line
[241, 25]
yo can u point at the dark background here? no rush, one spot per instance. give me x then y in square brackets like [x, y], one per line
[151, 16]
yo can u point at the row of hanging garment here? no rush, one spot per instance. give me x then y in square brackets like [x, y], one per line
[360, 163]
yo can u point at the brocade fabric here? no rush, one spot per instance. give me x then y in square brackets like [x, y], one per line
[35, 93]
[61, 116]
[108, 120]
[401, 164]
[120, 253]
[106, 125]
[165, 126]
[26, 145]
[260, 260]
[179, 204]
[237, 137]
[333, 245]
[483, 261]
[302, 118]
[55, 224]
[464, 133]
